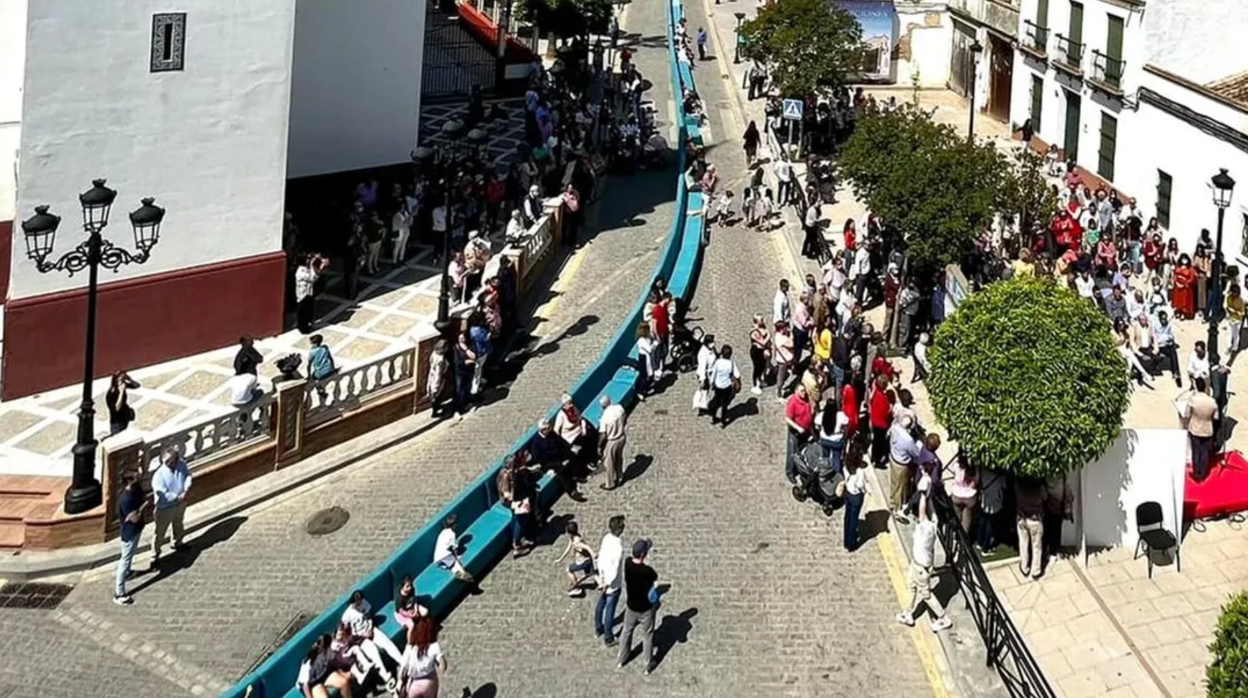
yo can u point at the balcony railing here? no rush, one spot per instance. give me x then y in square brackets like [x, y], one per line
[1069, 53]
[1036, 39]
[1107, 70]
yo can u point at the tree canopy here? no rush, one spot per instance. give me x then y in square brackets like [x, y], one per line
[1227, 674]
[1026, 378]
[939, 190]
[805, 44]
[1025, 197]
[568, 18]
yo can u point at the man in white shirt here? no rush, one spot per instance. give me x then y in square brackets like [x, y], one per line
[922, 559]
[1198, 363]
[784, 179]
[780, 311]
[244, 390]
[610, 580]
[860, 272]
[1163, 338]
[611, 440]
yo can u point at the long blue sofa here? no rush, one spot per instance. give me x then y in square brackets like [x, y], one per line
[477, 507]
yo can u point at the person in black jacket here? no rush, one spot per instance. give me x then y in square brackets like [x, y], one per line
[130, 509]
[248, 357]
[117, 399]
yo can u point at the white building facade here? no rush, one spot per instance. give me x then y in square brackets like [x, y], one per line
[1145, 97]
[993, 24]
[192, 103]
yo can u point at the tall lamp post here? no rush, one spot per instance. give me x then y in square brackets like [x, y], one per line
[91, 254]
[1223, 187]
[452, 132]
[976, 49]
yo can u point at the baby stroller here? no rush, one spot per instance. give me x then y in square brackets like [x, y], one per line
[816, 479]
[685, 343]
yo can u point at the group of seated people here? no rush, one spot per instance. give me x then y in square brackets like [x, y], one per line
[568, 446]
[358, 653]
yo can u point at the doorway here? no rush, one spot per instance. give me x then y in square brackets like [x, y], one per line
[1071, 143]
[1001, 79]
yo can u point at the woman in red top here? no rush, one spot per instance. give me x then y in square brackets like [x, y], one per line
[1183, 297]
[880, 414]
[851, 233]
[1154, 253]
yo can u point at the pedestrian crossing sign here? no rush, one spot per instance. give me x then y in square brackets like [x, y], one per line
[793, 109]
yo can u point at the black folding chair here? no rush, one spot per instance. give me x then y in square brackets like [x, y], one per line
[1153, 535]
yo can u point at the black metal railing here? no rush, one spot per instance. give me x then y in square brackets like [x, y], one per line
[1007, 652]
[1107, 69]
[1036, 37]
[1069, 52]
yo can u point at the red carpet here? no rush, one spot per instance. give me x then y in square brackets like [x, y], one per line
[1225, 491]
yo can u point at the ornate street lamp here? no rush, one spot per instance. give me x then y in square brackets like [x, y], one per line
[91, 254]
[452, 133]
[1223, 186]
[976, 49]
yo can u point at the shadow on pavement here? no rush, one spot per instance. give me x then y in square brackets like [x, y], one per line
[641, 463]
[673, 630]
[178, 560]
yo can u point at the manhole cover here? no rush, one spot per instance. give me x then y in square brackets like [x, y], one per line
[327, 521]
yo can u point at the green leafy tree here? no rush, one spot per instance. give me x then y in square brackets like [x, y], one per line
[1025, 198]
[1227, 674]
[1026, 378]
[805, 44]
[568, 18]
[924, 179]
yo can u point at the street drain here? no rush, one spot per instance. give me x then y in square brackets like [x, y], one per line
[327, 521]
[33, 596]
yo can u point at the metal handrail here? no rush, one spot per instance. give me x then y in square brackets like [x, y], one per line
[1107, 68]
[1006, 650]
[1069, 51]
[1037, 37]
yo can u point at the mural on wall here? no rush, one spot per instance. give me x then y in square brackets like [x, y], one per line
[879, 34]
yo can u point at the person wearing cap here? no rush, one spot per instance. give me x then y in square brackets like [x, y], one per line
[642, 592]
[549, 452]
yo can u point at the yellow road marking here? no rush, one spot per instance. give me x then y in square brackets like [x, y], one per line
[561, 285]
[890, 548]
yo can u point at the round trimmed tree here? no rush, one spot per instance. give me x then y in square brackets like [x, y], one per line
[1227, 673]
[1026, 378]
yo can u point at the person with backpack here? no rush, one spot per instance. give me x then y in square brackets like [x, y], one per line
[641, 587]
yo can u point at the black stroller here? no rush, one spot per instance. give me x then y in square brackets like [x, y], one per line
[816, 479]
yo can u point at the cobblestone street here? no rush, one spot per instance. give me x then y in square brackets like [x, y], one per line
[763, 599]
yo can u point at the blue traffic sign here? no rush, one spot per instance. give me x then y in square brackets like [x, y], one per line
[793, 109]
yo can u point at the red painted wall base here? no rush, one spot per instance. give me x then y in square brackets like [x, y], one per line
[140, 322]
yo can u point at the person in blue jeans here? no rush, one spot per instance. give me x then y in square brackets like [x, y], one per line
[610, 566]
[855, 493]
[130, 506]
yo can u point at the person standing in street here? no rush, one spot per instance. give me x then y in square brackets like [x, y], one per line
[855, 495]
[641, 582]
[130, 508]
[305, 284]
[611, 440]
[1029, 502]
[725, 382]
[1202, 413]
[903, 458]
[799, 419]
[610, 558]
[170, 485]
[922, 559]
[702, 38]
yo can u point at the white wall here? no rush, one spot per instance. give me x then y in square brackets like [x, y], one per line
[12, 68]
[929, 44]
[1202, 40]
[1052, 126]
[355, 97]
[209, 142]
[1191, 157]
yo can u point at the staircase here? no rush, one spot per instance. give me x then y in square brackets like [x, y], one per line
[25, 497]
